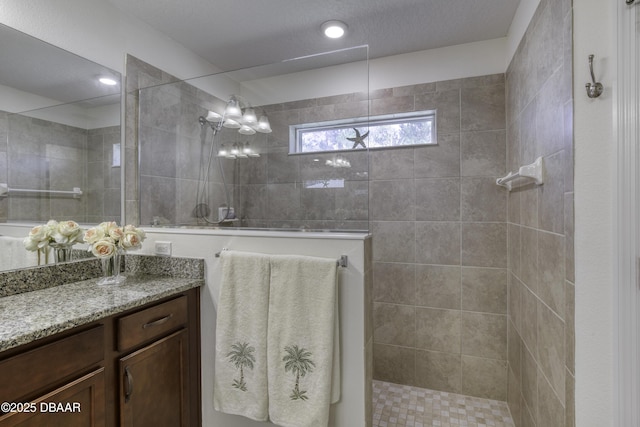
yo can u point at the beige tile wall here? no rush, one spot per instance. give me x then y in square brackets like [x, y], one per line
[45, 155]
[440, 243]
[465, 294]
[540, 223]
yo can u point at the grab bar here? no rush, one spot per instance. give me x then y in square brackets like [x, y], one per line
[342, 262]
[5, 190]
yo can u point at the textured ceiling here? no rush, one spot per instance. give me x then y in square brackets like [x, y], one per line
[234, 34]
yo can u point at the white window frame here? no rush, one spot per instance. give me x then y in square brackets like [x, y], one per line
[295, 131]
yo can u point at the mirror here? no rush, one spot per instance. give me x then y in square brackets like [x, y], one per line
[59, 138]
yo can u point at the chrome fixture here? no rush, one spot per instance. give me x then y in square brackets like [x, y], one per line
[235, 116]
[594, 89]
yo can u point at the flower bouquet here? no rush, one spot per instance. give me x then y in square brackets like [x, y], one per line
[60, 236]
[108, 241]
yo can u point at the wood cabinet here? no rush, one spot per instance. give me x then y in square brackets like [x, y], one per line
[80, 403]
[137, 368]
[154, 381]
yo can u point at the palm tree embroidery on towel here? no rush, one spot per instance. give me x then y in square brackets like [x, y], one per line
[241, 355]
[298, 361]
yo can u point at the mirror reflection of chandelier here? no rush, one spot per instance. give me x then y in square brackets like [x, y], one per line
[238, 150]
[338, 162]
[244, 119]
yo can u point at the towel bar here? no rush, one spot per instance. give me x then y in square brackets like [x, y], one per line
[342, 262]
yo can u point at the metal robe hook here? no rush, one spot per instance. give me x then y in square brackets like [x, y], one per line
[594, 89]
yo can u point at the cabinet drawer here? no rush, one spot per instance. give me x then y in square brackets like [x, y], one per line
[45, 366]
[152, 322]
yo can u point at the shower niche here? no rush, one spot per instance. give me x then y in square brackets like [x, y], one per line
[214, 150]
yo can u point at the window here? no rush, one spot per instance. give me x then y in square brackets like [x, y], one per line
[395, 130]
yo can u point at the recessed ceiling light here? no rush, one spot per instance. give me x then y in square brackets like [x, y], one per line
[334, 29]
[107, 81]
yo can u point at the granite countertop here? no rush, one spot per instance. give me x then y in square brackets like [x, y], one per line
[33, 315]
[40, 302]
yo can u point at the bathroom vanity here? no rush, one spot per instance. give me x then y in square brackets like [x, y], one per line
[80, 354]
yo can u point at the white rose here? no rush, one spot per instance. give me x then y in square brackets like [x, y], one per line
[40, 235]
[131, 240]
[131, 229]
[68, 232]
[30, 244]
[94, 234]
[112, 230]
[103, 248]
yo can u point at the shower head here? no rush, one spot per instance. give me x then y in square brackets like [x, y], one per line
[204, 121]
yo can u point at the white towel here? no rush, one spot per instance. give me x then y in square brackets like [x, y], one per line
[302, 331]
[14, 255]
[240, 383]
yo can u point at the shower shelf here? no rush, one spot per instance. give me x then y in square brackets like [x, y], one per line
[534, 172]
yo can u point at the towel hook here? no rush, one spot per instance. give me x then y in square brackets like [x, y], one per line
[594, 89]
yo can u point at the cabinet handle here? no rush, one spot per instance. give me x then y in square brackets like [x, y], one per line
[157, 322]
[128, 384]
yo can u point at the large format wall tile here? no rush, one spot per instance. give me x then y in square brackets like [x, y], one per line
[484, 290]
[394, 324]
[438, 330]
[437, 286]
[394, 282]
[541, 293]
[484, 245]
[394, 364]
[437, 199]
[438, 371]
[483, 108]
[482, 200]
[442, 160]
[484, 377]
[483, 153]
[484, 335]
[438, 243]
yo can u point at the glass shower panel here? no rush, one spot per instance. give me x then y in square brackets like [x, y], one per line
[204, 163]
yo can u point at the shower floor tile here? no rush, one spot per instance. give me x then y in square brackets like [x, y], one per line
[400, 405]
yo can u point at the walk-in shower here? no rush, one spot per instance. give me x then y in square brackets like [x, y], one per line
[232, 167]
[234, 116]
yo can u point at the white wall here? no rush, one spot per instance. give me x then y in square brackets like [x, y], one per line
[595, 189]
[519, 25]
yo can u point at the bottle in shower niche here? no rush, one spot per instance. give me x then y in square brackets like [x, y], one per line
[226, 213]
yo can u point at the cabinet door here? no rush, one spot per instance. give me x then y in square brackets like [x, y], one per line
[154, 384]
[81, 403]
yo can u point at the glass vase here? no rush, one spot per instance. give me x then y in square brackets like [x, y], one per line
[43, 256]
[111, 269]
[61, 253]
